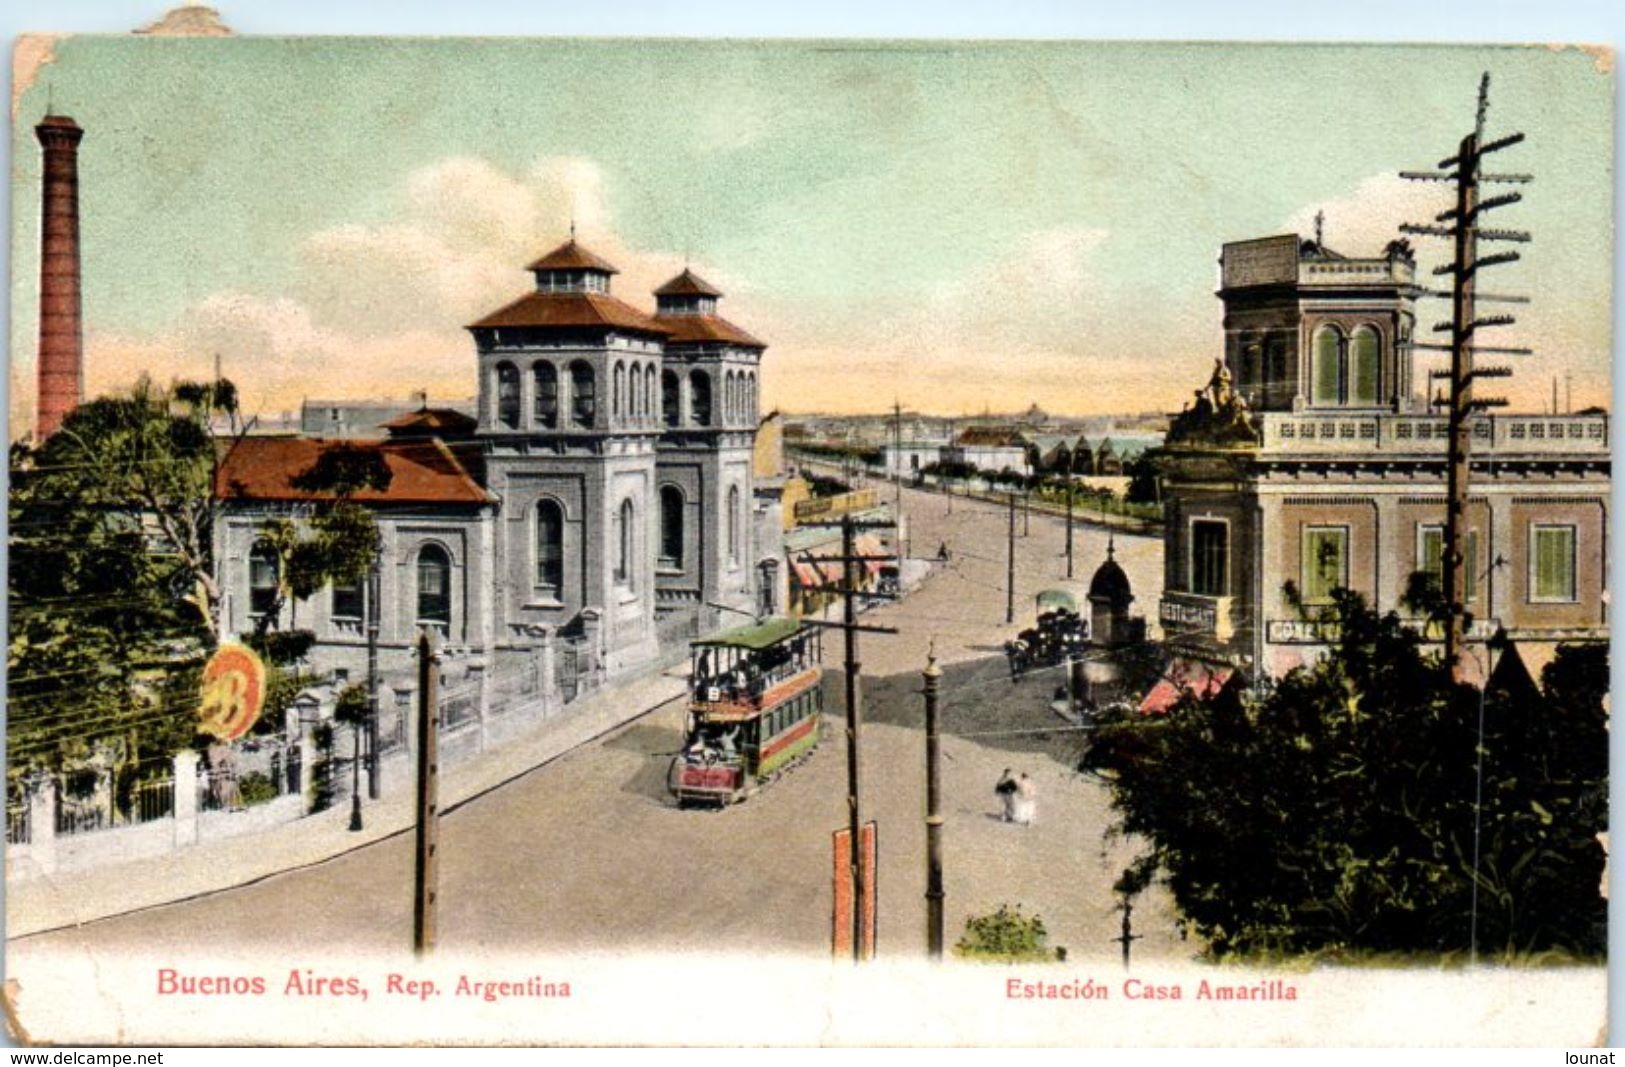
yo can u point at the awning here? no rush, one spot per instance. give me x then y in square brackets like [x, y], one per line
[868, 545]
[806, 574]
[1201, 680]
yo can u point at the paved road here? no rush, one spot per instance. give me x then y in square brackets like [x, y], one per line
[588, 853]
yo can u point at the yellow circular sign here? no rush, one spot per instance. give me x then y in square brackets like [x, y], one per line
[232, 691]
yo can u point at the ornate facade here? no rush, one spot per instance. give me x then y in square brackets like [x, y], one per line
[1312, 462]
[602, 495]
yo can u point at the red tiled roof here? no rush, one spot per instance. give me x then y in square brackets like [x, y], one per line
[688, 284]
[431, 421]
[421, 471]
[572, 310]
[571, 256]
[694, 329]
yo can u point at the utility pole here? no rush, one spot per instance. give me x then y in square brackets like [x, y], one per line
[1128, 936]
[854, 721]
[426, 873]
[933, 812]
[1464, 230]
[1010, 587]
[1069, 512]
[854, 710]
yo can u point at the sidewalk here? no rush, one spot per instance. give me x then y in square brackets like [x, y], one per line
[54, 901]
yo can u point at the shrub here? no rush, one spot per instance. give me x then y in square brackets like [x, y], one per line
[1006, 936]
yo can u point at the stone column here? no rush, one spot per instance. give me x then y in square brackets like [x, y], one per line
[185, 766]
[592, 629]
[547, 662]
[42, 821]
[482, 698]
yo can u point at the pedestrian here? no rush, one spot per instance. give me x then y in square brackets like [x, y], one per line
[942, 552]
[1024, 800]
[1006, 792]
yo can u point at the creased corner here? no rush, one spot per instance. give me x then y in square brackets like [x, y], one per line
[188, 20]
[14, 1023]
[31, 54]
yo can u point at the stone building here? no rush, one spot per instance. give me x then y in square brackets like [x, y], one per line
[1311, 461]
[602, 492]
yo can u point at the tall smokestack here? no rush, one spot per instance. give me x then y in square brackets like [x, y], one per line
[61, 346]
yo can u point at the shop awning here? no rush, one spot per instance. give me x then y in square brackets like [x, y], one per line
[1201, 680]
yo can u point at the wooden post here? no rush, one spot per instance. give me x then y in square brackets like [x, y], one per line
[854, 721]
[427, 870]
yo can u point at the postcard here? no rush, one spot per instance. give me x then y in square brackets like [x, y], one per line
[562, 541]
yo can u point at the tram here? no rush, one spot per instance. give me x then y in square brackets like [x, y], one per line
[754, 710]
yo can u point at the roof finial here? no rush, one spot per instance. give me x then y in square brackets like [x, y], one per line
[572, 226]
[1320, 237]
[1111, 546]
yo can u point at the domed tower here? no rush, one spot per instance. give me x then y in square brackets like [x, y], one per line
[1109, 598]
[709, 404]
[569, 413]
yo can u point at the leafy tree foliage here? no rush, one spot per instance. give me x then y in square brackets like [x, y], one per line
[1336, 813]
[339, 540]
[112, 589]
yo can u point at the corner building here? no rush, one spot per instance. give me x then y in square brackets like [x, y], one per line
[601, 498]
[1312, 458]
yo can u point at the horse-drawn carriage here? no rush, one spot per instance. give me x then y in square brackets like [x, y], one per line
[1059, 634]
[754, 704]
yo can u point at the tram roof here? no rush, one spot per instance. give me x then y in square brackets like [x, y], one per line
[755, 636]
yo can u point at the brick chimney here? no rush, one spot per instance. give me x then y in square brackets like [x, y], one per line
[61, 345]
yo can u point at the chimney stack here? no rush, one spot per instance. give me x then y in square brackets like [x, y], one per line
[61, 345]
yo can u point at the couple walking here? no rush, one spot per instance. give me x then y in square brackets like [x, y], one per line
[1019, 796]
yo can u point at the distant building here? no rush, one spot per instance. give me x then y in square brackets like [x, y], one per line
[1310, 462]
[363, 418]
[991, 449]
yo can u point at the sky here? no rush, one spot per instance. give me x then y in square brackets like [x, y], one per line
[956, 226]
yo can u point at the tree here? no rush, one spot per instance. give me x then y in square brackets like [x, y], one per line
[338, 542]
[1337, 812]
[112, 588]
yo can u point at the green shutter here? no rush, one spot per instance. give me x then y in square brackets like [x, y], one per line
[1364, 360]
[1326, 372]
[1554, 562]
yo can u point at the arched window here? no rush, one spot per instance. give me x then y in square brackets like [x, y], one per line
[699, 398]
[550, 548]
[733, 525]
[649, 396]
[1326, 374]
[1364, 364]
[616, 406]
[634, 405]
[583, 395]
[751, 406]
[547, 395]
[671, 526]
[262, 579]
[625, 542]
[434, 586]
[508, 395]
[670, 397]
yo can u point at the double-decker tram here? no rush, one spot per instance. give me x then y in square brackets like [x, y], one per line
[754, 707]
